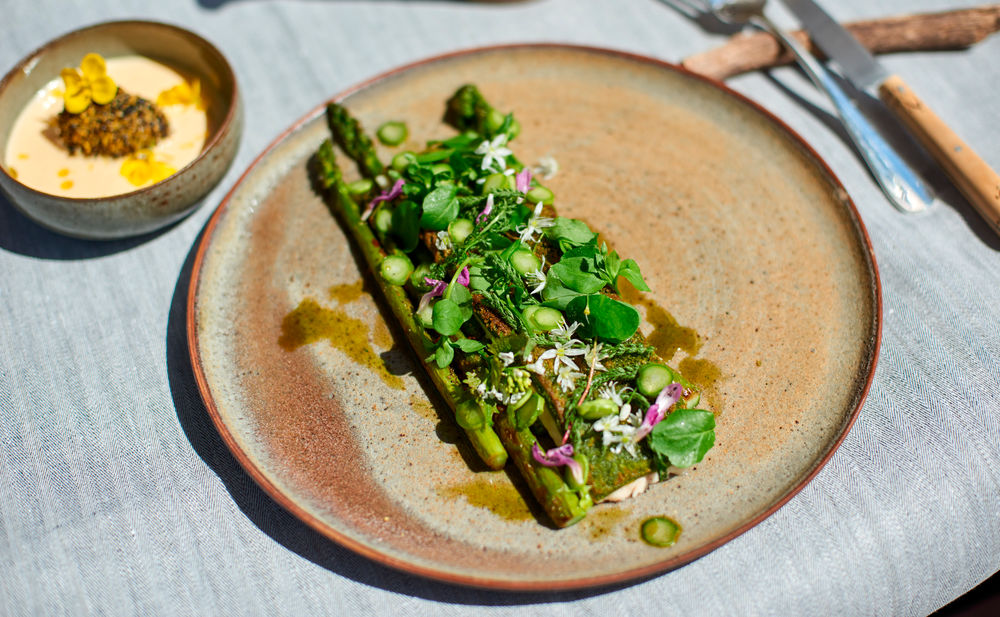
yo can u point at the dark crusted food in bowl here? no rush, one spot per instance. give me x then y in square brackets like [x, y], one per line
[148, 208]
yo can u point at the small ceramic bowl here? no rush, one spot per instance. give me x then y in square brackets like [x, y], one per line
[148, 208]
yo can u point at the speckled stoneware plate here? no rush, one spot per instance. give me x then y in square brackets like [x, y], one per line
[762, 273]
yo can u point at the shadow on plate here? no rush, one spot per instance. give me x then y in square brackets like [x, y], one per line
[19, 234]
[278, 523]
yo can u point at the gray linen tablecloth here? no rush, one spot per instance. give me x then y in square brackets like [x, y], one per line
[118, 497]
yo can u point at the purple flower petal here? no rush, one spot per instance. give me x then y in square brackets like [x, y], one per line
[393, 193]
[437, 289]
[558, 457]
[463, 277]
[486, 211]
[523, 180]
[658, 410]
[670, 395]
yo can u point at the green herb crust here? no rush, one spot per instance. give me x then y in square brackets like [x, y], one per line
[515, 310]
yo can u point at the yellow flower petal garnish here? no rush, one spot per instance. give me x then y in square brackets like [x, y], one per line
[142, 168]
[93, 66]
[71, 79]
[89, 83]
[136, 171]
[199, 100]
[162, 171]
[186, 93]
[103, 90]
[78, 102]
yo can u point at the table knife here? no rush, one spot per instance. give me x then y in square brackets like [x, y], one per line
[979, 183]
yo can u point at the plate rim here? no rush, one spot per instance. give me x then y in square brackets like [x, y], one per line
[590, 582]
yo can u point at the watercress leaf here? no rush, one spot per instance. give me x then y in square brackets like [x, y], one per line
[447, 317]
[460, 294]
[578, 274]
[684, 436]
[444, 174]
[478, 282]
[462, 140]
[520, 216]
[440, 208]
[444, 354]
[589, 251]
[557, 296]
[507, 252]
[405, 225]
[468, 345]
[459, 163]
[495, 242]
[603, 318]
[521, 297]
[572, 232]
[612, 267]
[419, 179]
[433, 156]
[508, 120]
[630, 270]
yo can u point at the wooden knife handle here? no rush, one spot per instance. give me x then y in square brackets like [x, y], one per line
[973, 177]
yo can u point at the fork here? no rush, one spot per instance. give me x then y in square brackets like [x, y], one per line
[904, 188]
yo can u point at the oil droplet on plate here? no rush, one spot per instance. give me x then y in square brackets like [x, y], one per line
[492, 491]
[309, 322]
[668, 336]
[601, 520]
[703, 373]
[345, 293]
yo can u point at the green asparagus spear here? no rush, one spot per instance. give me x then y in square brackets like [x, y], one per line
[483, 438]
[505, 306]
[468, 110]
[349, 136]
[563, 505]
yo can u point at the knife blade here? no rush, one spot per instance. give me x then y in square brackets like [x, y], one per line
[973, 177]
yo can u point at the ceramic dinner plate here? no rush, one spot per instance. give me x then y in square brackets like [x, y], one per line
[765, 293]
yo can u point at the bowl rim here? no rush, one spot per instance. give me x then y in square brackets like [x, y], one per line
[210, 144]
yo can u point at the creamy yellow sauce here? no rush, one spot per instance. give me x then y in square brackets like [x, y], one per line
[35, 160]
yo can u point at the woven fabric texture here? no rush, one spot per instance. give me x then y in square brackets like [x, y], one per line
[118, 497]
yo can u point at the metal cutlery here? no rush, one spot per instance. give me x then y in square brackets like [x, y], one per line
[899, 182]
[974, 178]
